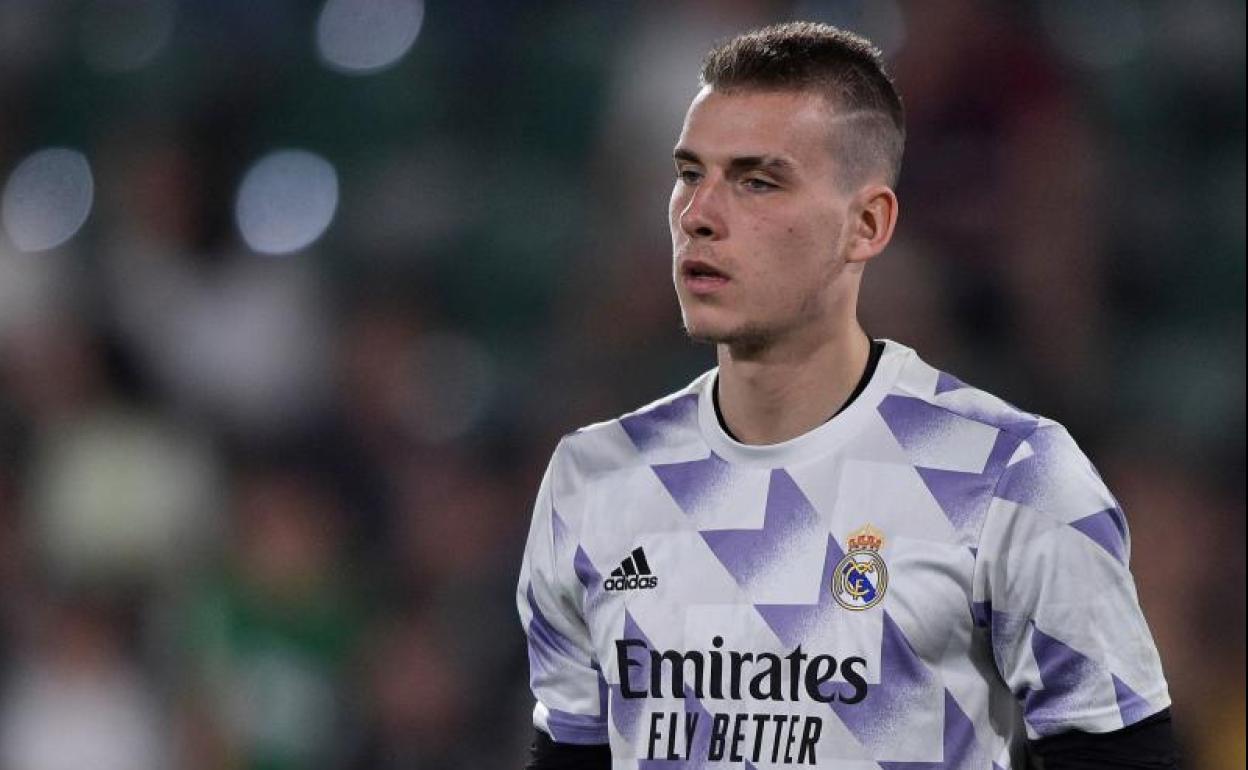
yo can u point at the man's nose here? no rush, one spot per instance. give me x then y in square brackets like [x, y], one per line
[702, 216]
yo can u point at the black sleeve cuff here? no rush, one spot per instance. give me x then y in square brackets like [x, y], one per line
[548, 755]
[1146, 745]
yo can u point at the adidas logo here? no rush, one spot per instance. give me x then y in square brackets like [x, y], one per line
[634, 572]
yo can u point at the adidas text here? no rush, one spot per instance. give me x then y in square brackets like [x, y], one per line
[633, 573]
[631, 582]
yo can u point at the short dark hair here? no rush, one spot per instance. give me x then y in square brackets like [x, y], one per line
[843, 67]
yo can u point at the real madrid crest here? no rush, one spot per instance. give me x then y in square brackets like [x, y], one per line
[861, 577]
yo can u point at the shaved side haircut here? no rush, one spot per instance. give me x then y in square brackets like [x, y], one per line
[867, 118]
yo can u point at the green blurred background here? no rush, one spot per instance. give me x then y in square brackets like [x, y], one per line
[297, 297]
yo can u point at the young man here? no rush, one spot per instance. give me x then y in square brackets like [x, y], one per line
[824, 552]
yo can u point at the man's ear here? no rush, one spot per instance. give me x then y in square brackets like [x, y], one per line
[874, 217]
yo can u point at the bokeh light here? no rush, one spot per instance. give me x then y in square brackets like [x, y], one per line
[47, 198]
[268, 511]
[286, 201]
[120, 496]
[366, 36]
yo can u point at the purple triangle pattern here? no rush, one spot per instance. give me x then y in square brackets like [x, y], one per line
[981, 614]
[581, 729]
[1108, 529]
[1002, 450]
[589, 577]
[915, 423]
[961, 745]
[1131, 706]
[549, 650]
[1056, 462]
[626, 712]
[961, 748]
[647, 427]
[698, 484]
[906, 686]
[1069, 680]
[965, 497]
[906, 691]
[947, 382]
[789, 518]
[904, 678]
[1006, 632]
[792, 623]
[988, 409]
[1009, 419]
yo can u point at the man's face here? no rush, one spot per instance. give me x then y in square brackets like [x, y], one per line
[757, 216]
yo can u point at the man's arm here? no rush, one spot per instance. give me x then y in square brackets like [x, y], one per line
[1056, 600]
[1146, 745]
[565, 677]
[548, 755]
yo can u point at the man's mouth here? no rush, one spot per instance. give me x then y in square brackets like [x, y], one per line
[700, 277]
[696, 268]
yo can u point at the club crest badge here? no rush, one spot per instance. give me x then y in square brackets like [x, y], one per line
[861, 577]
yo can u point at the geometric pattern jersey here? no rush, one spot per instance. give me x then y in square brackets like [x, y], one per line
[927, 580]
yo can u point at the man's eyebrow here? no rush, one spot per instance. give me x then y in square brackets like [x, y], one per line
[742, 162]
[765, 162]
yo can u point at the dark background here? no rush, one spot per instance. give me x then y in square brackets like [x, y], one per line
[271, 424]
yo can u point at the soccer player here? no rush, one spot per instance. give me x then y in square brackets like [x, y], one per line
[824, 553]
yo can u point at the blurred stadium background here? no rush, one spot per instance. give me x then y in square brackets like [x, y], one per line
[297, 297]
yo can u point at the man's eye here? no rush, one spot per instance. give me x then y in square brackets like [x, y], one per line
[688, 175]
[756, 184]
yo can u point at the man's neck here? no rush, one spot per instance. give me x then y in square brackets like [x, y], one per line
[785, 391]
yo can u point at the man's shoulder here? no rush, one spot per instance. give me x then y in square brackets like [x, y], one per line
[665, 425]
[923, 390]
[939, 420]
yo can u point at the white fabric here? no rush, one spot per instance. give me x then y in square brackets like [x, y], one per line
[1008, 611]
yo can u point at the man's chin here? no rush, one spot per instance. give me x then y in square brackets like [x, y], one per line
[705, 333]
[711, 325]
[712, 334]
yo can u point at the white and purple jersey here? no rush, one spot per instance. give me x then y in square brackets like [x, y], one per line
[921, 582]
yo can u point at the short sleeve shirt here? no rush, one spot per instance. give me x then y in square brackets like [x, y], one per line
[926, 580]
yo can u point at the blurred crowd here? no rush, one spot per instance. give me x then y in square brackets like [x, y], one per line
[263, 493]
